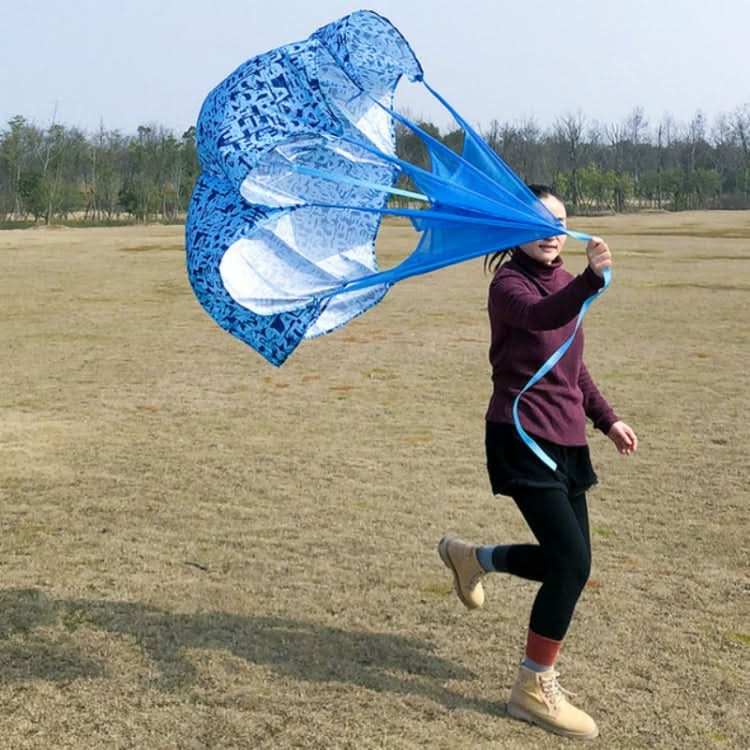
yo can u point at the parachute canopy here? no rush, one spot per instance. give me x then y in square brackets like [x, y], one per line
[298, 156]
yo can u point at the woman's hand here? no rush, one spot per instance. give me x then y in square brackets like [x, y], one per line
[625, 440]
[599, 255]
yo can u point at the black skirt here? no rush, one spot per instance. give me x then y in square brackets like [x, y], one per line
[512, 465]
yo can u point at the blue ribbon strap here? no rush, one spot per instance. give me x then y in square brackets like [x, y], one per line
[552, 361]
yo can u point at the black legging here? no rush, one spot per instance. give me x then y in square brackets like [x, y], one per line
[561, 560]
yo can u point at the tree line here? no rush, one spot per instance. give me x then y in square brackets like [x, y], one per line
[628, 165]
[58, 173]
[61, 173]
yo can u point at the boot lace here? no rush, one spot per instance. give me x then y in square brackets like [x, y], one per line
[554, 693]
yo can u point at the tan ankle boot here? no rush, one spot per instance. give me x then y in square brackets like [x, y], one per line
[537, 697]
[461, 558]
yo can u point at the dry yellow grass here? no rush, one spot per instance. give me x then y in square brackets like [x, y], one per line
[201, 551]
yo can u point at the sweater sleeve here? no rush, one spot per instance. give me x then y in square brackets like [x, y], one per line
[514, 302]
[594, 404]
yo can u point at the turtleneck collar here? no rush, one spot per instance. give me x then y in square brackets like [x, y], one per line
[534, 267]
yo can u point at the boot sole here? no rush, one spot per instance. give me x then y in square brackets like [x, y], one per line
[443, 552]
[521, 713]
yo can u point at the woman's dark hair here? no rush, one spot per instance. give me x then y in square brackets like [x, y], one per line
[493, 261]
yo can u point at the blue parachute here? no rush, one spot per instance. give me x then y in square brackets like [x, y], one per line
[298, 157]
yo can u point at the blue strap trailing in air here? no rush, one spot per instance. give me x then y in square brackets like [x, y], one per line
[550, 363]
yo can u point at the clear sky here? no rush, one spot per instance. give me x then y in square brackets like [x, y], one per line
[132, 62]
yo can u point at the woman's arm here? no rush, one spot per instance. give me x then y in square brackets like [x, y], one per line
[514, 301]
[594, 404]
[604, 419]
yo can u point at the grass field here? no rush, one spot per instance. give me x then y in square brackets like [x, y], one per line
[201, 551]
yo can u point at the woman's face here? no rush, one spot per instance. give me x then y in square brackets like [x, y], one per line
[546, 250]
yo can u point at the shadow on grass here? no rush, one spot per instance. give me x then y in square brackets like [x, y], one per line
[302, 650]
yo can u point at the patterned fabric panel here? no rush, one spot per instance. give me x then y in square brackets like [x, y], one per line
[370, 50]
[266, 101]
[219, 216]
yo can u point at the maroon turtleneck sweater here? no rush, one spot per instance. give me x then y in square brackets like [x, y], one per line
[533, 309]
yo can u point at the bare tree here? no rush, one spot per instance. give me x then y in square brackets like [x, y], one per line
[519, 145]
[636, 126]
[741, 120]
[568, 133]
[617, 136]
